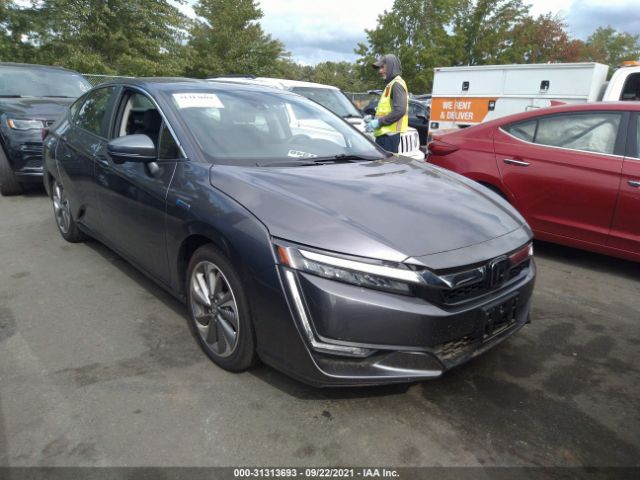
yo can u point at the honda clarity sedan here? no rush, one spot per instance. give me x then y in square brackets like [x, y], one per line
[299, 243]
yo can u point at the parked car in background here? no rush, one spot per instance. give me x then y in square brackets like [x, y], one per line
[329, 259]
[419, 119]
[32, 97]
[329, 97]
[572, 171]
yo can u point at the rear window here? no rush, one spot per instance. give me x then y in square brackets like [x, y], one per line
[41, 82]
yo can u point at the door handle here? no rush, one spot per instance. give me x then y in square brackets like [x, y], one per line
[102, 160]
[518, 163]
[634, 183]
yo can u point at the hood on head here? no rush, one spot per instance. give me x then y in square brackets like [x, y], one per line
[393, 66]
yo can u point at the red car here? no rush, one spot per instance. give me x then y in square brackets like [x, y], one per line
[573, 171]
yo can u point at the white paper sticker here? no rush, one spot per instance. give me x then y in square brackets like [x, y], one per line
[299, 154]
[197, 100]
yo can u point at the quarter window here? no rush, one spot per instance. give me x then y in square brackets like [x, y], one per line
[524, 130]
[594, 132]
[168, 149]
[92, 114]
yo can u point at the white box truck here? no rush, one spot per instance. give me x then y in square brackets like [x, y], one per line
[465, 96]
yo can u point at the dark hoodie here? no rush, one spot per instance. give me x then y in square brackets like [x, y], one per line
[398, 93]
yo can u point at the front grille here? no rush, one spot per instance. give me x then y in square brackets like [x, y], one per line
[518, 269]
[474, 290]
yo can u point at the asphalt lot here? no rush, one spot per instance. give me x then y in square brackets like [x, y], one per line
[97, 367]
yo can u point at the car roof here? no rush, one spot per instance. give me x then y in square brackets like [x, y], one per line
[159, 84]
[36, 66]
[281, 83]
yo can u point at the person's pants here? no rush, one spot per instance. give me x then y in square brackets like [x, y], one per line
[390, 143]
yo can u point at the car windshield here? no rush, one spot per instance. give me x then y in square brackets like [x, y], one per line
[40, 82]
[249, 127]
[334, 100]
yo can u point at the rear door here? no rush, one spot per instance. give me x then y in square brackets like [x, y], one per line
[564, 171]
[625, 230]
[80, 147]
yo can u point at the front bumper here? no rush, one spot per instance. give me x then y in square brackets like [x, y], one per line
[408, 338]
[24, 151]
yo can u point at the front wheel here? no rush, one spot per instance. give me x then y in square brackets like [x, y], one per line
[9, 184]
[219, 311]
[62, 213]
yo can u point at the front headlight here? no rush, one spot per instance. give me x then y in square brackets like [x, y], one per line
[395, 278]
[21, 124]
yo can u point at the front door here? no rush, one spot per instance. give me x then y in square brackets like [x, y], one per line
[132, 195]
[625, 230]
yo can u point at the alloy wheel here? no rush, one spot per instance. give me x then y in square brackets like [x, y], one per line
[61, 208]
[214, 308]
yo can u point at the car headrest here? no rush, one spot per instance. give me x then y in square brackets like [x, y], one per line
[151, 120]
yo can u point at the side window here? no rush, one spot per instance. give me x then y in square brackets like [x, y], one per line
[637, 137]
[92, 113]
[168, 148]
[593, 132]
[138, 114]
[631, 90]
[75, 106]
[524, 130]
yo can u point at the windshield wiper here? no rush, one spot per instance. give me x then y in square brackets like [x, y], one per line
[343, 157]
[57, 96]
[351, 115]
[11, 96]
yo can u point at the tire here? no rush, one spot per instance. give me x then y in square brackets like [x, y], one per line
[9, 184]
[67, 226]
[223, 328]
[495, 190]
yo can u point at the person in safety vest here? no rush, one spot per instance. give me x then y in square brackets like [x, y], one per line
[391, 114]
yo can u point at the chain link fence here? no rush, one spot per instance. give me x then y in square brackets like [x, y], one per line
[99, 79]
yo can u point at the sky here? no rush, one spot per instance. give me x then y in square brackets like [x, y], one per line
[329, 30]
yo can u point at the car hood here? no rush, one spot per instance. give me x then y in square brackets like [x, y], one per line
[387, 209]
[35, 107]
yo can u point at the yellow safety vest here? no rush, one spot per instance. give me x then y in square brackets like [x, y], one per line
[384, 108]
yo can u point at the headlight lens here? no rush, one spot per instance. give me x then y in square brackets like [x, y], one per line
[18, 124]
[369, 275]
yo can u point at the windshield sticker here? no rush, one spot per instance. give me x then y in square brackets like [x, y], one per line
[197, 100]
[299, 154]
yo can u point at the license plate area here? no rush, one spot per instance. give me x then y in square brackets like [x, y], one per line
[499, 317]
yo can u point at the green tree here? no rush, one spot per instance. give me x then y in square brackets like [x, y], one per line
[609, 46]
[417, 31]
[483, 29]
[227, 38]
[539, 40]
[143, 38]
[343, 75]
[16, 25]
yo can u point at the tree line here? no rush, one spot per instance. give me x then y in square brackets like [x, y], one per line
[154, 38]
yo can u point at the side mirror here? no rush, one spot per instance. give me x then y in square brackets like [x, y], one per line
[423, 118]
[132, 148]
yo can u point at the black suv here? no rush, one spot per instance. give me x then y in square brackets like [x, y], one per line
[32, 97]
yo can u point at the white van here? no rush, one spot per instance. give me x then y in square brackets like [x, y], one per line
[331, 98]
[465, 96]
